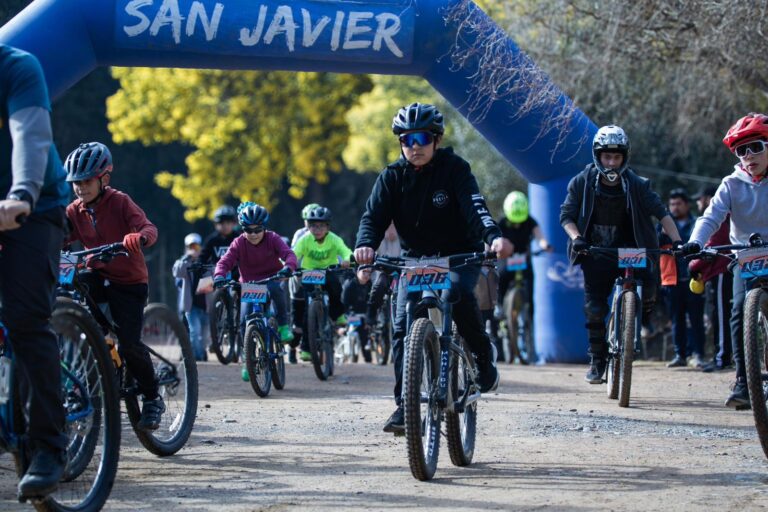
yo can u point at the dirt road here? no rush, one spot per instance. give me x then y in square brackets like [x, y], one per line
[547, 441]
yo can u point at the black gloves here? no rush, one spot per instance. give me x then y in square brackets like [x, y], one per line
[691, 248]
[219, 282]
[579, 245]
[677, 245]
[285, 272]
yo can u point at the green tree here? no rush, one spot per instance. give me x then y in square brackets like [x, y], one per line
[372, 145]
[251, 131]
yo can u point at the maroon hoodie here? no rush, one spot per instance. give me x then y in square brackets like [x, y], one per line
[113, 217]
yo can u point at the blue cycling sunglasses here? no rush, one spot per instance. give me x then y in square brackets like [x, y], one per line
[420, 138]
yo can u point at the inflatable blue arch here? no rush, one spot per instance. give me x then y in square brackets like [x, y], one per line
[406, 37]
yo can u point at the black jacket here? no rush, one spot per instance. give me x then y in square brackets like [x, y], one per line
[644, 205]
[215, 245]
[354, 295]
[437, 210]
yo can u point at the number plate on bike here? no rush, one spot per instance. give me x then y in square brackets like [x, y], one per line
[516, 262]
[753, 262]
[254, 293]
[632, 258]
[313, 276]
[67, 265]
[428, 274]
[354, 320]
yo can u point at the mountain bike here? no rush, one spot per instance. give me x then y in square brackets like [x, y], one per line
[624, 322]
[517, 322]
[320, 330]
[352, 343]
[92, 414]
[752, 259]
[226, 339]
[169, 348]
[263, 349]
[439, 371]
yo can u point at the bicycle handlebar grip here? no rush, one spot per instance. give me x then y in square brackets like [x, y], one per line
[21, 219]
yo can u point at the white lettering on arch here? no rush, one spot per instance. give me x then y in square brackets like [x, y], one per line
[353, 29]
[252, 37]
[387, 33]
[282, 22]
[210, 26]
[132, 9]
[168, 14]
[310, 34]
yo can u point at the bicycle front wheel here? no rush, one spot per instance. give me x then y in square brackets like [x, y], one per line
[317, 333]
[224, 326]
[92, 405]
[176, 372]
[756, 359]
[422, 413]
[461, 427]
[613, 366]
[257, 360]
[628, 322]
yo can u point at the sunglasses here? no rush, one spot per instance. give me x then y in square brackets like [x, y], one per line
[253, 230]
[420, 138]
[755, 147]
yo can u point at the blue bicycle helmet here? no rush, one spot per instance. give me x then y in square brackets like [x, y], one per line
[250, 213]
[89, 160]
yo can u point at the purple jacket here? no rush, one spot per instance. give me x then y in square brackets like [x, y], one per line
[256, 262]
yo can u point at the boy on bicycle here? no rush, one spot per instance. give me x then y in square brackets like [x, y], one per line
[217, 242]
[32, 185]
[435, 203]
[319, 249]
[744, 195]
[103, 215]
[259, 254]
[608, 205]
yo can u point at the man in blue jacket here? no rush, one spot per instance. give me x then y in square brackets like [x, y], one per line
[33, 187]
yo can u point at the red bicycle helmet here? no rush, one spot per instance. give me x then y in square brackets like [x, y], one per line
[751, 126]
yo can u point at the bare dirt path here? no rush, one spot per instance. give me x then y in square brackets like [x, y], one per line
[546, 441]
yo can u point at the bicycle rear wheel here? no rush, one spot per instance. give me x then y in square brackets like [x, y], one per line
[317, 333]
[176, 372]
[92, 405]
[461, 427]
[628, 319]
[224, 326]
[756, 359]
[509, 305]
[257, 360]
[382, 339]
[422, 413]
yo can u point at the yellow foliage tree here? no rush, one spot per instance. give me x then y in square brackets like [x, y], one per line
[252, 131]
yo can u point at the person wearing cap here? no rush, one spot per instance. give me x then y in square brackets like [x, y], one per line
[193, 304]
[683, 302]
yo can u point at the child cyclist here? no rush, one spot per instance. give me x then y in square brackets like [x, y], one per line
[259, 254]
[102, 215]
[319, 249]
[354, 296]
[744, 195]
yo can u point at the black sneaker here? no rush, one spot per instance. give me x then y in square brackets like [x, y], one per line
[739, 397]
[488, 380]
[396, 423]
[677, 362]
[43, 475]
[151, 412]
[596, 370]
[292, 356]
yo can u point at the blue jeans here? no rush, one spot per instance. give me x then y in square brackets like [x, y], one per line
[277, 296]
[466, 314]
[199, 331]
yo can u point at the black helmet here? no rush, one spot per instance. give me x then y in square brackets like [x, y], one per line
[89, 160]
[319, 214]
[418, 116]
[249, 213]
[224, 213]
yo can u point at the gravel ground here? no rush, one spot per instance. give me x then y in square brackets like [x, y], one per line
[547, 441]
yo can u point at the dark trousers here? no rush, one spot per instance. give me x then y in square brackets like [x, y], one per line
[719, 291]
[381, 283]
[466, 315]
[332, 286]
[126, 305]
[28, 275]
[740, 287]
[684, 303]
[600, 275]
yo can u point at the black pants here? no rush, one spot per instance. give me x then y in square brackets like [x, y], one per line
[466, 315]
[719, 291]
[126, 304]
[599, 277]
[28, 277]
[332, 286]
[379, 288]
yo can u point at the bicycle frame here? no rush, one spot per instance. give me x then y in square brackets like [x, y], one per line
[625, 284]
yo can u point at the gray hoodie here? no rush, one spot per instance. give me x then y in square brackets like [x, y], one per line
[746, 201]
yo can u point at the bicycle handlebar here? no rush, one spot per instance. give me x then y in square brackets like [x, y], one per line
[111, 249]
[454, 261]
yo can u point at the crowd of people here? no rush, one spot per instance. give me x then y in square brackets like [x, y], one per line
[425, 204]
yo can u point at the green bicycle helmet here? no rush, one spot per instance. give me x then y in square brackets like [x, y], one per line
[305, 211]
[516, 207]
